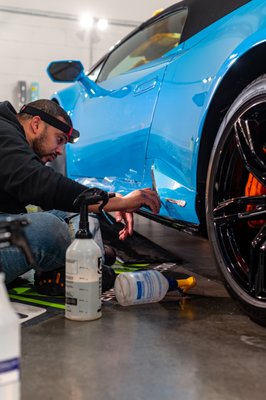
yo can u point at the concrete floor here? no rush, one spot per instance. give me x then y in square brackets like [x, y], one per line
[202, 348]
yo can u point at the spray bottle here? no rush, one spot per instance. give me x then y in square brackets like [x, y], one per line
[10, 234]
[148, 286]
[83, 264]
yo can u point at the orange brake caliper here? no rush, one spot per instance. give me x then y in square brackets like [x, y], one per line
[254, 188]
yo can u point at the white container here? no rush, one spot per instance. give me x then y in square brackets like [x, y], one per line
[9, 347]
[140, 287]
[83, 280]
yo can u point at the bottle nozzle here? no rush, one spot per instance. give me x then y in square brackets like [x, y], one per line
[181, 281]
[186, 284]
[86, 198]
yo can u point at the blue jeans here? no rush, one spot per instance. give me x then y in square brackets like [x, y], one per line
[49, 237]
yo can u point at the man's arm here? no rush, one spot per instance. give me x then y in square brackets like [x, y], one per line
[125, 206]
[132, 202]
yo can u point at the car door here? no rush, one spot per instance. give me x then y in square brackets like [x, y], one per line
[115, 124]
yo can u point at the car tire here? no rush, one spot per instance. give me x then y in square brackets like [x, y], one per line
[236, 216]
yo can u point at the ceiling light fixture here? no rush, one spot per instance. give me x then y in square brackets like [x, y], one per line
[86, 21]
[102, 24]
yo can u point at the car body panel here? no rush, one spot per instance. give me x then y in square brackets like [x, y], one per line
[153, 116]
[105, 137]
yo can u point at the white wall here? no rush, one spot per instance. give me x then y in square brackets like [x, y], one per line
[138, 10]
[28, 43]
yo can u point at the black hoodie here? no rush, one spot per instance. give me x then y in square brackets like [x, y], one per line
[23, 178]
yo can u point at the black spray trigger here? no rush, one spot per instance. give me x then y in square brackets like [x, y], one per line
[86, 198]
[92, 196]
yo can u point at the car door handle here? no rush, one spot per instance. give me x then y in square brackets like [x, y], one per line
[144, 87]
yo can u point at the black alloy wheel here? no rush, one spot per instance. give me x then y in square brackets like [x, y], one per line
[236, 200]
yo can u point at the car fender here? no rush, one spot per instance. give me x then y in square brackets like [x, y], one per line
[238, 70]
[256, 39]
[67, 97]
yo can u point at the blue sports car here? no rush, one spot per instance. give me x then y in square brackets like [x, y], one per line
[180, 104]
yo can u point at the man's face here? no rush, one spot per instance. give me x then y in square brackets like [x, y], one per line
[49, 143]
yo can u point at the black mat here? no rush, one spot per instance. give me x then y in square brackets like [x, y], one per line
[135, 249]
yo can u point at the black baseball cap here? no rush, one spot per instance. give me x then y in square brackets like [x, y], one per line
[71, 133]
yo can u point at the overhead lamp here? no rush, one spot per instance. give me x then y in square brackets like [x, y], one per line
[86, 21]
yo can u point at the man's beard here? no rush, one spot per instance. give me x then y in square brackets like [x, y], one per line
[39, 148]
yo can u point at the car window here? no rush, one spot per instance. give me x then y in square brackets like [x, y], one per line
[150, 43]
[93, 74]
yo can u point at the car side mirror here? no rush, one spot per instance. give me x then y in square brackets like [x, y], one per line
[65, 71]
[73, 71]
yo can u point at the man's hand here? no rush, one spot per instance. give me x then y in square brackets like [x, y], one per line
[144, 197]
[128, 220]
[134, 201]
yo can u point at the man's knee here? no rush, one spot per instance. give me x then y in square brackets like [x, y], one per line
[48, 238]
[47, 227]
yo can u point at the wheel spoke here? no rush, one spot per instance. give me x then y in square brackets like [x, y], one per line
[243, 134]
[233, 210]
[257, 273]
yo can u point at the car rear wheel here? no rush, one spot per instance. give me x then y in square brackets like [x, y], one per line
[236, 200]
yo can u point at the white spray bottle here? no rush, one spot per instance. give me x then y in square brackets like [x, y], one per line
[10, 234]
[83, 265]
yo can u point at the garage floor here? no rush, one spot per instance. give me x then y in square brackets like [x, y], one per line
[200, 348]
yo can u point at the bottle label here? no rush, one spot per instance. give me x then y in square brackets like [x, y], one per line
[83, 298]
[9, 371]
[148, 285]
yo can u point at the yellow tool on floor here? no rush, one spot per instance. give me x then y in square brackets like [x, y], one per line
[186, 284]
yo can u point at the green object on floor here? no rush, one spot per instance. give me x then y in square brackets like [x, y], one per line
[36, 301]
[120, 267]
